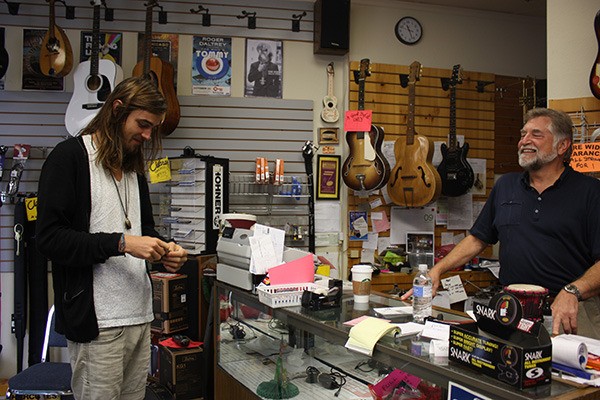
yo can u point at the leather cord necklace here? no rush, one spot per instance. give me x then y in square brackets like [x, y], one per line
[125, 207]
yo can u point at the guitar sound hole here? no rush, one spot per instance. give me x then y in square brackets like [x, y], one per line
[423, 176]
[330, 104]
[93, 83]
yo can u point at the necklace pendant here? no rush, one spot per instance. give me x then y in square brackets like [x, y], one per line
[127, 223]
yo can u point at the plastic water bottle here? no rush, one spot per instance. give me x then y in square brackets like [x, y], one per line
[422, 289]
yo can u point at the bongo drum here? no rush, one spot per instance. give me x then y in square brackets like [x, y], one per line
[531, 297]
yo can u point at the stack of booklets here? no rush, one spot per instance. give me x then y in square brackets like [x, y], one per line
[365, 335]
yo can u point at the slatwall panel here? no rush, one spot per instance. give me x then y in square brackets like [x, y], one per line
[273, 17]
[389, 102]
[235, 128]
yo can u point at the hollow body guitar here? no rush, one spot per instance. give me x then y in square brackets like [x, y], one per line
[56, 54]
[161, 73]
[455, 171]
[414, 181]
[365, 168]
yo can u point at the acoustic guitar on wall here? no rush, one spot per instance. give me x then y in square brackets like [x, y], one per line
[161, 73]
[595, 74]
[3, 55]
[93, 81]
[455, 171]
[365, 168]
[414, 181]
[56, 55]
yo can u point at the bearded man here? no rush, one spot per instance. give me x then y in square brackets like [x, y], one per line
[547, 220]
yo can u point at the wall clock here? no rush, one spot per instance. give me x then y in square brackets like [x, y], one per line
[408, 30]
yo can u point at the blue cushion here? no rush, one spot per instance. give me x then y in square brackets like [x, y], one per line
[47, 376]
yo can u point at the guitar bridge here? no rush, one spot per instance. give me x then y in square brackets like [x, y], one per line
[91, 106]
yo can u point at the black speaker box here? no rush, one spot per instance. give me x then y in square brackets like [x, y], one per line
[332, 27]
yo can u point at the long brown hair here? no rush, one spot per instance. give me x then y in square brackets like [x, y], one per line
[137, 93]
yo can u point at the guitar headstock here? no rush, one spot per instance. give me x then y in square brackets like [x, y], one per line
[363, 71]
[415, 72]
[457, 75]
[330, 68]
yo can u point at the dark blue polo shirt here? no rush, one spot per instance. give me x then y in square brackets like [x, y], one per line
[547, 239]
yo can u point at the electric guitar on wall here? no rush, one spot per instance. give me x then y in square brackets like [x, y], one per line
[161, 73]
[330, 113]
[3, 55]
[94, 80]
[455, 171]
[366, 168]
[414, 181]
[595, 74]
[56, 55]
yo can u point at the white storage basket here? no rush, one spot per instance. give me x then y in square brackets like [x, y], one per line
[276, 296]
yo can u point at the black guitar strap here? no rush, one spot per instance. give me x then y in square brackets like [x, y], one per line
[37, 268]
[19, 318]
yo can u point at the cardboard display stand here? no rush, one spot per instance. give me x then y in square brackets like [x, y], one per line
[503, 345]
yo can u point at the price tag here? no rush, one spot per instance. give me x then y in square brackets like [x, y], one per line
[31, 208]
[160, 170]
[358, 120]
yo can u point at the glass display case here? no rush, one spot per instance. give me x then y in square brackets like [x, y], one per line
[255, 342]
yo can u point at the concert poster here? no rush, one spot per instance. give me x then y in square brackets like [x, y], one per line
[111, 46]
[211, 66]
[359, 228]
[32, 77]
[164, 46]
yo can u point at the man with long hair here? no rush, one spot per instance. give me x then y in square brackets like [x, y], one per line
[95, 224]
[547, 221]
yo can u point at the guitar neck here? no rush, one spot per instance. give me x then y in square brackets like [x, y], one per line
[410, 130]
[51, 23]
[361, 95]
[95, 42]
[148, 40]
[329, 83]
[452, 136]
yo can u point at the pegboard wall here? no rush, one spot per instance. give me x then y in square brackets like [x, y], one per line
[388, 100]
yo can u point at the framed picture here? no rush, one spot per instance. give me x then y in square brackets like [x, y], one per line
[328, 177]
[329, 135]
[264, 66]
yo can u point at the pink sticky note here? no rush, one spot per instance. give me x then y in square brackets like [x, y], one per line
[358, 121]
[301, 270]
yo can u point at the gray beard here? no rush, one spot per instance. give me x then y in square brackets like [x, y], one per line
[539, 161]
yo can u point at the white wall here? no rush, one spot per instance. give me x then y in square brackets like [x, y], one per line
[486, 42]
[572, 47]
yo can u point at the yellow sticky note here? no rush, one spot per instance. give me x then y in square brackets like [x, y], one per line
[160, 170]
[323, 269]
[31, 208]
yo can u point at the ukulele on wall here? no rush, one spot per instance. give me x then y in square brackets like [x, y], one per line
[595, 74]
[366, 168]
[414, 181]
[455, 171]
[56, 55]
[94, 81]
[161, 73]
[330, 113]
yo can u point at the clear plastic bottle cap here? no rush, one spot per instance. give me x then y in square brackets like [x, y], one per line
[422, 267]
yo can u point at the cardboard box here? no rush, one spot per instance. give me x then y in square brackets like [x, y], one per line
[169, 302]
[514, 356]
[181, 372]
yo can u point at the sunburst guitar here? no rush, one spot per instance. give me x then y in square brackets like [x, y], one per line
[414, 181]
[365, 168]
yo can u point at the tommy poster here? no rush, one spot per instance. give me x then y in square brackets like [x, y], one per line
[211, 66]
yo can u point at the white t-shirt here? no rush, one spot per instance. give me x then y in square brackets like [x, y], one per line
[122, 289]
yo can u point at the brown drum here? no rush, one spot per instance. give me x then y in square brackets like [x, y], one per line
[531, 297]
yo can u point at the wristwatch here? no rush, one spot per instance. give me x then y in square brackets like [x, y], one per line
[571, 288]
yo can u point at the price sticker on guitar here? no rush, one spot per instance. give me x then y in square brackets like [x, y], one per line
[358, 120]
